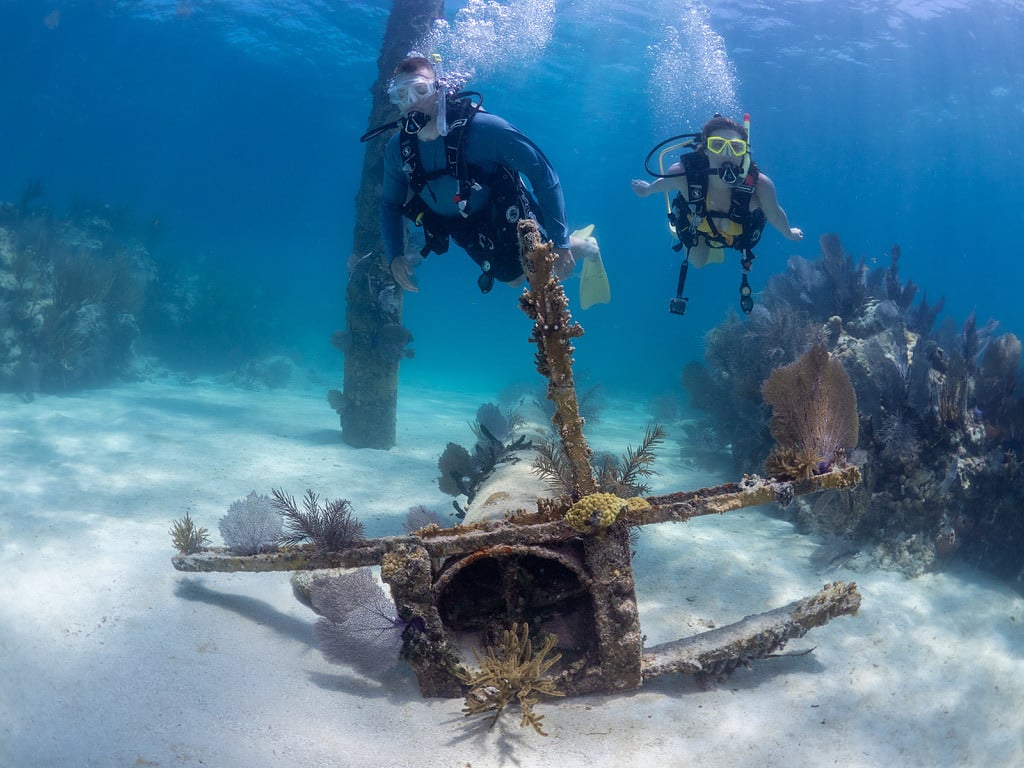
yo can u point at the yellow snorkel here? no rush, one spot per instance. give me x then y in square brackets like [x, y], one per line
[746, 157]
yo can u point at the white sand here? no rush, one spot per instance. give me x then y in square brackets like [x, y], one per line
[110, 657]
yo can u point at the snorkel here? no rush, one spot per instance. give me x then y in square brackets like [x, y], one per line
[442, 105]
[746, 157]
[415, 120]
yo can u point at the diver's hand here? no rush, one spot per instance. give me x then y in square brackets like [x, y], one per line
[401, 270]
[642, 188]
[795, 233]
[584, 248]
[564, 263]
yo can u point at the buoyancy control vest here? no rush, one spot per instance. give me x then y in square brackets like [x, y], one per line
[488, 233]
[691, 219]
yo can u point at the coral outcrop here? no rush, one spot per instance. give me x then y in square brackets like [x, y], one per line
[71, 295]
[941, 411]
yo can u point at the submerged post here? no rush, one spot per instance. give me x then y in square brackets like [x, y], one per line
[368, 403]
[553, 331]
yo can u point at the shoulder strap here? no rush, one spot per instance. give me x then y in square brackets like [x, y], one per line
[460, 113]
[739, 205]
[458, 166]
[696, 165]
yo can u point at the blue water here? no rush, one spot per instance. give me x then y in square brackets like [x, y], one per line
[234, 127]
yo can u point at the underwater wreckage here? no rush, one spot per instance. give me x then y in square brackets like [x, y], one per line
[569, 559]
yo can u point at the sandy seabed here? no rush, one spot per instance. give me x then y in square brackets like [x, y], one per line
[110, 657]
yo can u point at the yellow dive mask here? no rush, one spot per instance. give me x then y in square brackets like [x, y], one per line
[717, 144]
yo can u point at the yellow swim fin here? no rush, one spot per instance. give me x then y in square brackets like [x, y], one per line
[594, 288]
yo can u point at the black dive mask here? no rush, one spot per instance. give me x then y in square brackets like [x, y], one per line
[731, 174]
[415, 121]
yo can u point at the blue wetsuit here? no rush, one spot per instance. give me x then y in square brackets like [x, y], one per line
[490, 144]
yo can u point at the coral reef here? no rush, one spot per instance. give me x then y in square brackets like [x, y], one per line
[941, 412]
[512, 671]
[564, 564]
[251, 525]
[71, 297]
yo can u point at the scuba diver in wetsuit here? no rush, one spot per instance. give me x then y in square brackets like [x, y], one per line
[722, 201]
[454, 170]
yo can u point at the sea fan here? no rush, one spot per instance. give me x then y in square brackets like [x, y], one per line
[419, 517]
[360, 626]
[251, 525]
[814, 410]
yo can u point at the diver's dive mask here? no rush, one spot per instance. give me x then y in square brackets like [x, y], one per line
[406, 92]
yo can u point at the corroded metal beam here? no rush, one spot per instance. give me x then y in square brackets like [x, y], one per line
[526, 529]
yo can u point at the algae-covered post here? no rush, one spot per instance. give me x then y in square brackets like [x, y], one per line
[553, 331]
[368, 403]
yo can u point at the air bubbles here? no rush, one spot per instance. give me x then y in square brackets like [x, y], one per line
[692, 76]
[487, 37]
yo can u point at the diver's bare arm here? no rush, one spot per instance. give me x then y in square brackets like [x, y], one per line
[773, 212]
[665, 184]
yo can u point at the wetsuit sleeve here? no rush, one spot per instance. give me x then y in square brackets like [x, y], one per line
[392, 199]
[513, 149]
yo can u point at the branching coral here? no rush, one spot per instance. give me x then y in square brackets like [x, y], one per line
[884, 282]
[622, 477]
[330, 528]
[625, 477]
[512, 672]
[188, 538]
[831, 285]
[814, 412]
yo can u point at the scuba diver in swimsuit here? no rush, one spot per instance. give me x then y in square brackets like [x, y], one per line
[722, 200]
[456, 171]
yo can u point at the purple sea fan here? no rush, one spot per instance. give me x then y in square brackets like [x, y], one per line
[251, 525]
[360, 626]
[814, 407]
